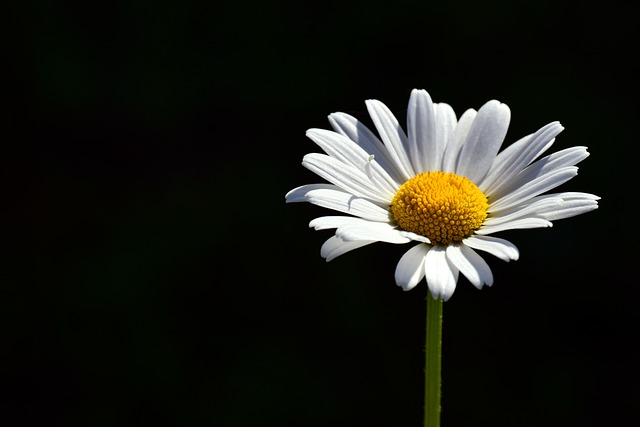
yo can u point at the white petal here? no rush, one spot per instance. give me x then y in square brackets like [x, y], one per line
[513, 159]
[328, 222]
[574, 195]
[356, 131]
[484, 140]
[548, 206]
[344, 176]
[456, 141]
[446, 124]
[331, 197]
[573, 204]
[415, 237]
[410, 268]
[334, 247]
[520, 223]
[342, 148]
[366, 230]
[470, 264]
[299, 194]
[571, 209]
[500, 248]
[441, 274]
[535, 186]
[421, 130]
[536, 172]
[532, 208]
[392, 135]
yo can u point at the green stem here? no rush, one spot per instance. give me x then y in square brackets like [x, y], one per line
[433, 362]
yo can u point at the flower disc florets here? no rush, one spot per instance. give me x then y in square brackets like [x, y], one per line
[444, 207]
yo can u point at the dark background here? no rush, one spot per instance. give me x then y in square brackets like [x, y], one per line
[152, 274]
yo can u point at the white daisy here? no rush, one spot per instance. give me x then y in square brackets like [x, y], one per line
[443, 186]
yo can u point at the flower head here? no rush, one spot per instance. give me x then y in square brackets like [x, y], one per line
[444, 186]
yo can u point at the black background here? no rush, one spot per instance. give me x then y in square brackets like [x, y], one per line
[152, 274]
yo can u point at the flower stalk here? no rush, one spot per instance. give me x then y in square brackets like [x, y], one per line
[433, 362]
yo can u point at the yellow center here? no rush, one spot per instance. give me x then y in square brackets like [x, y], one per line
[444, 207]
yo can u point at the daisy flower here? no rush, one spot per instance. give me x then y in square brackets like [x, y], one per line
[443, 186]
